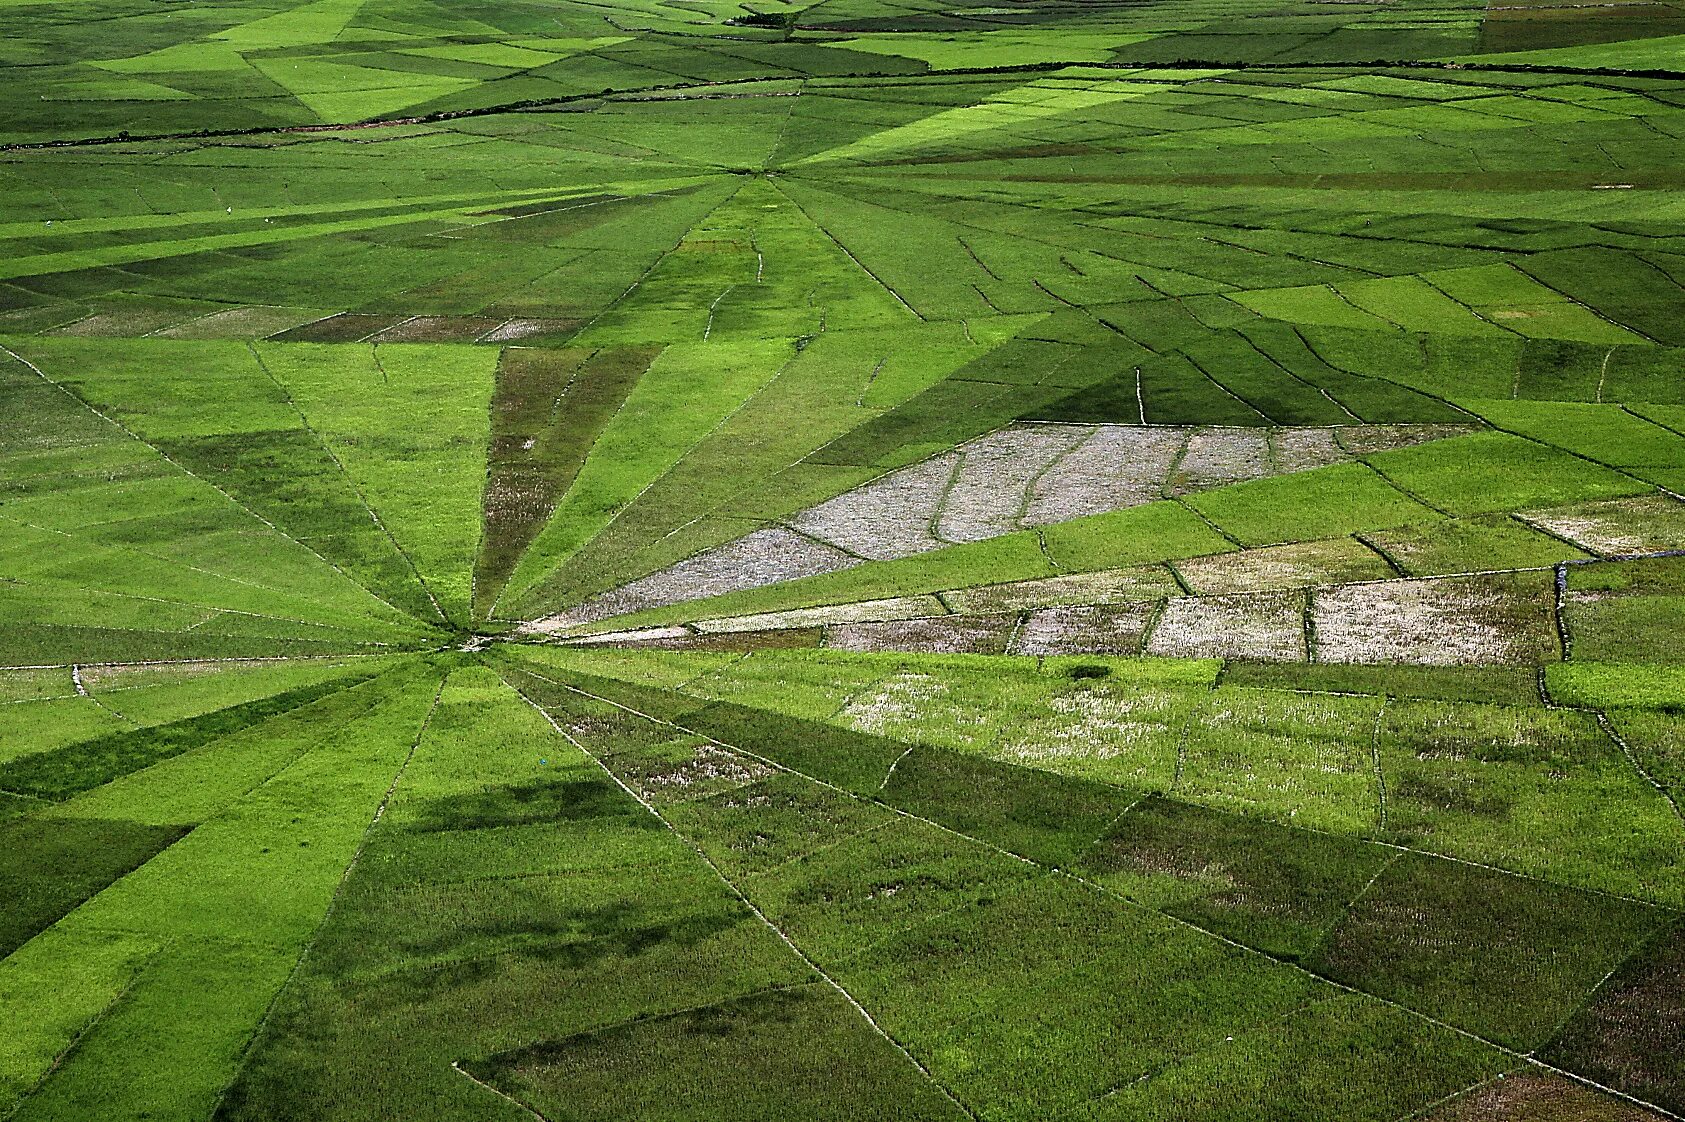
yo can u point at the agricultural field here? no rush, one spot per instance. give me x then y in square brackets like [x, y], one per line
[760, 560]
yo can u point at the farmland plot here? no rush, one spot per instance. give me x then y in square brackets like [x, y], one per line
[866, 561]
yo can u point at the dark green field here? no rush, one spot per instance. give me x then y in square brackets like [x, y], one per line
[698, 561]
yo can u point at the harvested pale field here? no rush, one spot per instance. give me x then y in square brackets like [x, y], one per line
[1303, 449]
[436, 329]
[1537, 1096]
[1020, 476]
[1298, 565]
[516, 330]
[241, 323]
[1035, 474]
[632, 635]
[987, 495]
[939, 635]
[862, 611]
[1114, 629]
[762, 557]
[1217, 456]
[1452, 621]
[347, 327]
[1617, 527]
[1362, 440]
[1116, 466]
[1266, 626]
[118, 323]
[889, 517]
[1105, 586]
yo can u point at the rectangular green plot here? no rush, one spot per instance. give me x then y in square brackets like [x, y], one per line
[1620, 287]
[1626, 611]
[1326, 502]
[1268, 388]
[1414, 305]
[1259, 883]
[1607, 434]
[1454, 941]
[1311, 304]
[1020, 1006]
[1349, 1058]
[1051, 819]
[1490, 472]
[730, 1060]
[28, 727]
[1175, 392]
[1300, 759]
[1613, 685]
[1544, 792]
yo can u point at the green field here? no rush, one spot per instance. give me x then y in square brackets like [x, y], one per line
[744, 561]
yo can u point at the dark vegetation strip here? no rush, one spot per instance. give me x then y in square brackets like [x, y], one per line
[546, 413]
[544, 103]
[50, 866]
[58, 774]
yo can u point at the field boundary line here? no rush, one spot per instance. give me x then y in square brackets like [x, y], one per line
[727, 881]
[1177, 920]
[287, 395]
[456, 1066]
[262, 1025]
[888, 775]
[1613, 734]
[167, 458]
[840, 82]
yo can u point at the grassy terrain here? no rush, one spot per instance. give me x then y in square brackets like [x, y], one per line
[842, 560]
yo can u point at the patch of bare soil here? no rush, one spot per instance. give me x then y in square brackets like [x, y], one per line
[889, 517]
[527, 330]
[1265, 626]
[862, 611]
[1084, 629]
[940, 635]
[763, 557]
[436, 329]
[1361, 440]
[347, 327]
[241, 323]
[1298, 565]
[1117, 466]
[1537, 1096]
[988, 490]
[1449, 622]
[1617, 527]
[1217, 456]
[1303, 449]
